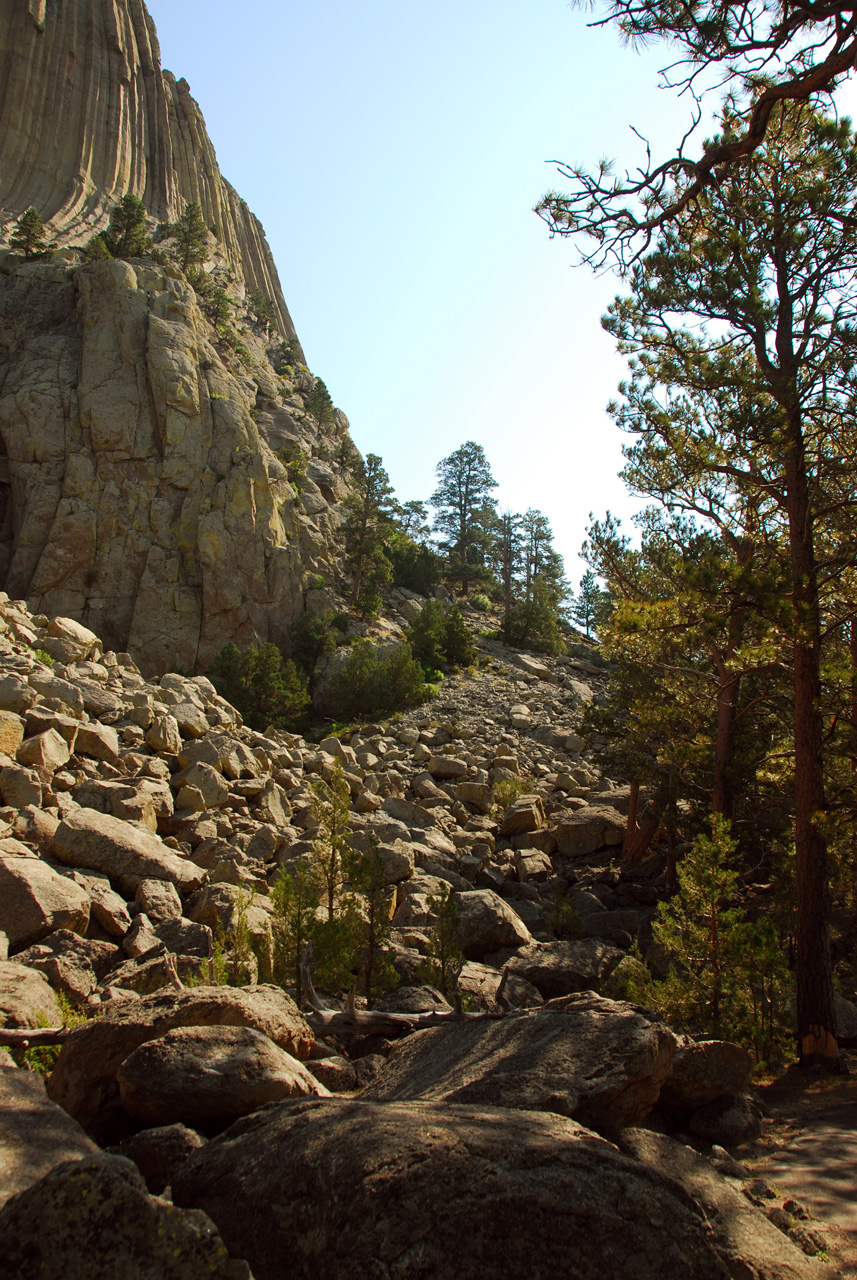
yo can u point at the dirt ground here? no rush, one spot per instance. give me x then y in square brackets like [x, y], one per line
[808, 1152]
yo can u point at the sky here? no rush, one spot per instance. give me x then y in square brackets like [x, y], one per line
[394, 152]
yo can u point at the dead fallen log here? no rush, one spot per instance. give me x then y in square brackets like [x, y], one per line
[32, 1037]
[363, 1022]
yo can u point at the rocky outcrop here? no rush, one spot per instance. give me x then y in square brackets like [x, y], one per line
[330, 1187]
[87, 115]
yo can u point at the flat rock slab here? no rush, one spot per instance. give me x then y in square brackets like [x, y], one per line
[337, 1187]
[98, 842]
[35, 1134]
[84, 1078]
[819, 1167]
[93, 1219]
[564, 968]
[595, 1060]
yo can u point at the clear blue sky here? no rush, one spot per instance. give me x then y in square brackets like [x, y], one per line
[393, 153]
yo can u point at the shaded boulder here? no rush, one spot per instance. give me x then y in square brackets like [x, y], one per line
[338, 1187]
[71, 964]
[206, 1077]
[93, 1219]
[747, 1241]
[728, 1121]
[35, 900]
[84, 1078]
[524, 815]
[158, 1152]
[703, 1071]
[597, 1061]
[35, 1134]
[486, 923]
[564, 968]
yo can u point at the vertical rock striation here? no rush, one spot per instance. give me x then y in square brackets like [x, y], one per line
[87, 115]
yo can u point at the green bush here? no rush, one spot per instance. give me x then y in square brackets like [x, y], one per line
[415, 566]
[309, 639]
[480, 601]
[439, 637]
[372, 683]
[265, 687]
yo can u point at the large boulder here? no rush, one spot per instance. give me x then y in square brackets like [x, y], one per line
[207, 1077]
[35, 1134]
[35, 900]
[589, 829]
[597, 1061]
[158, 1152]
[93, 1219]
[563, 968]
[98, 842]
[338, 1187]
[71, 964]
[486, 923]
[524, 815]
[703, 1071]
[84, 1078]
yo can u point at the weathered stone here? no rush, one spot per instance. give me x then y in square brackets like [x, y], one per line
[15, 694]
[413, 815]
[98, 741]
[159, 899]
[140, 938]
[107, 908]
[35, 1134]
[335, 1073]
[207, 1077]
[749, 1244]
[587, 830]
[446, 767]
[533, 865]
[598, 1061]
[476, 795]
[618, 927]
[77, 643]
[272, 805]
[185, 937]
[487, 923]
[20, 787]
[11, 733]
[84, 1078]
[35, 900]
[703, 1071]
[92, 1219]
[48, 751]
[526, 814]
[26, 998]
[164, 735]
[221, 906]
[564, 968]
[158, 1152]
[538, 1194]
[71, 964]
[190, 719]
[397, 861]
[207, 781]
[99, 842]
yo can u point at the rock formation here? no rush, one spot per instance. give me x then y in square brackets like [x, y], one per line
[144, 449]
[87, 116]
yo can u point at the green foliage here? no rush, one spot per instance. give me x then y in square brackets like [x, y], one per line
[508, 791]
[295, 899]
[372, 683]
[295, 460]
[480, 602]
[263, 308]
[439, 637]
[319, 405]
[309, 640]
[191, 236]
[443, 956]
[287, 355]
[465, 512]
[587, 603]
[728, 977]
[415, 566]
[564, 920]
[28, 238]
[218, 308]
[265, 687]
[373, 929]
[127, 235]
[42, 1058]
[369, 522]
[330, 805]
[43, 656]
[533, 623]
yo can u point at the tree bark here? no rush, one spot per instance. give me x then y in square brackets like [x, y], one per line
[816, 1022]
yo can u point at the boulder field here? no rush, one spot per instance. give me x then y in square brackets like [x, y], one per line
[190, 1127]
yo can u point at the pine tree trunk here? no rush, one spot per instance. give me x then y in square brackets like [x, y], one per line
[816, 1023]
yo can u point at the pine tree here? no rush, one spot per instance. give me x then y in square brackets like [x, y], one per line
[370, 511]
[464, 511]
[585, 608]
[127, 235]
[28, 238]
[740, 325]
[191, 236]
[319, 405]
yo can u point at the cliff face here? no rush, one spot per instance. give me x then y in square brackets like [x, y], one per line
[144, 450]
[87, 115]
